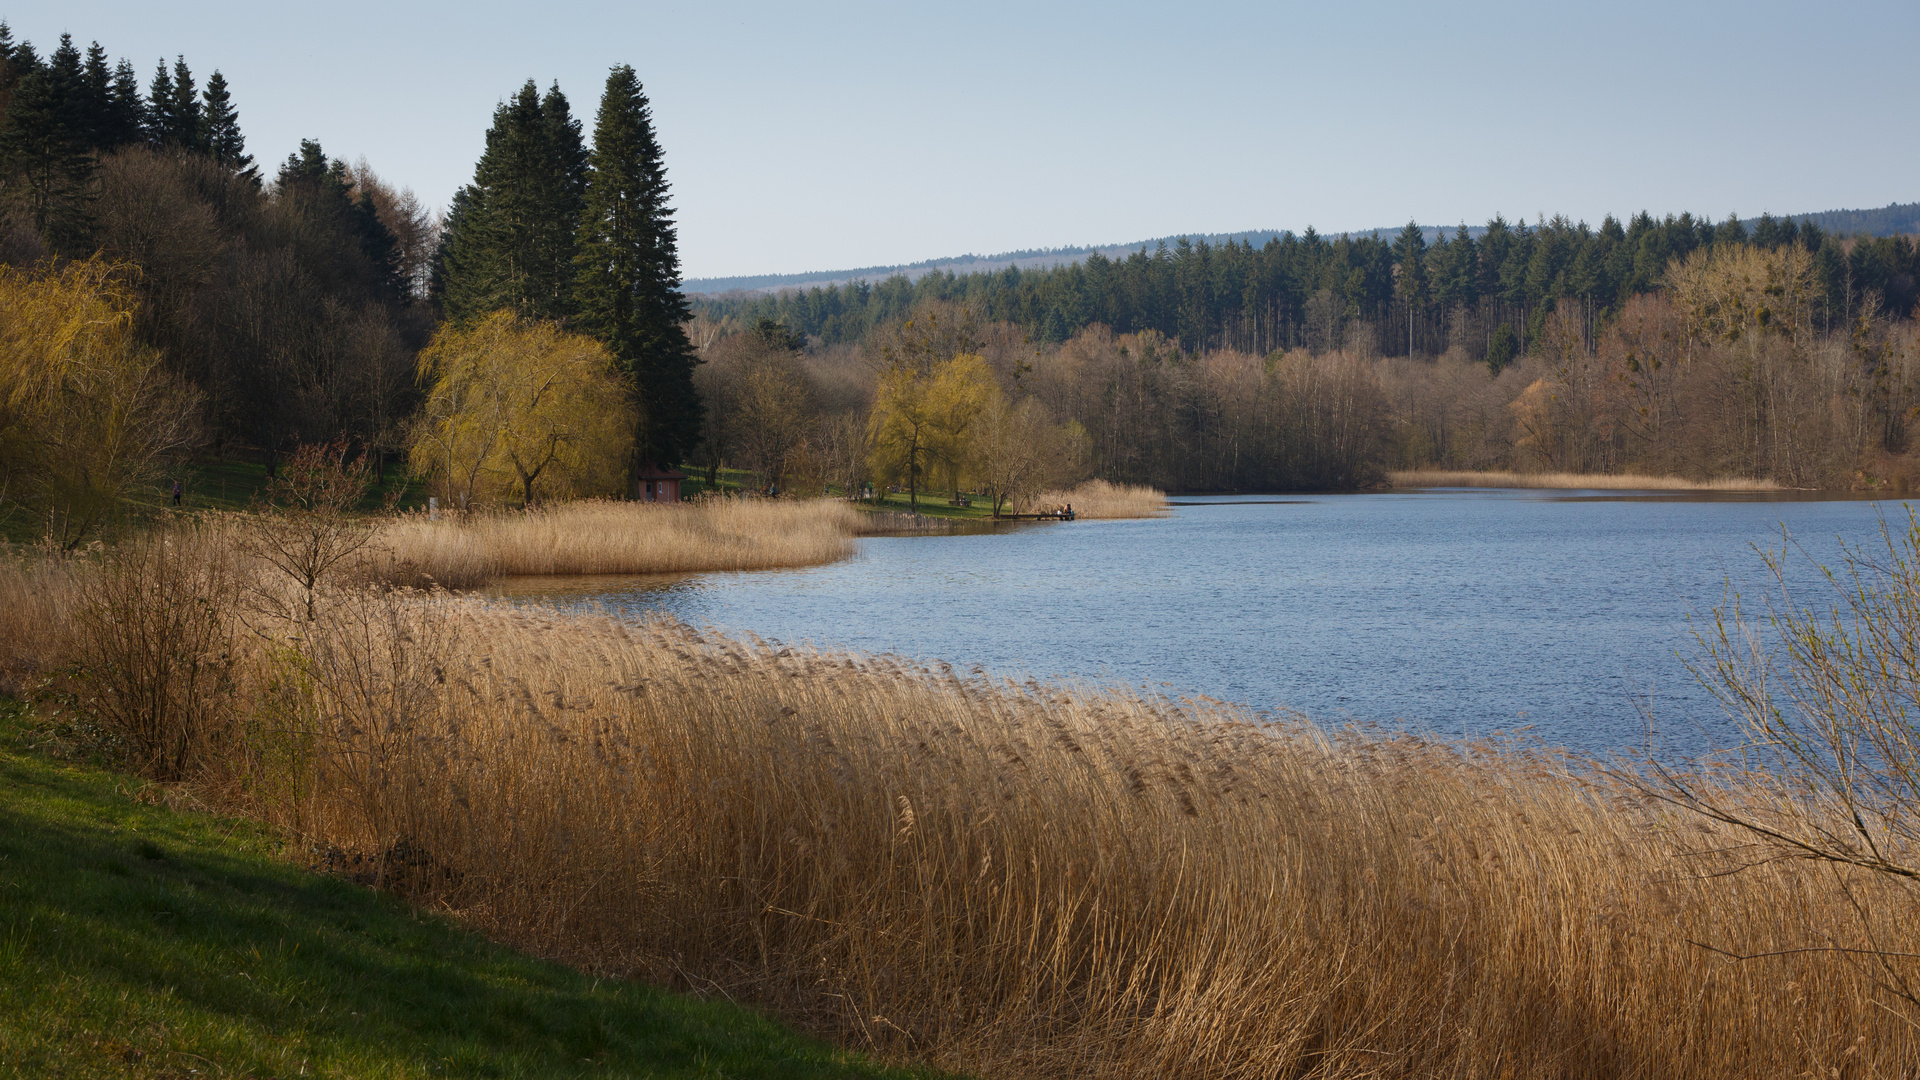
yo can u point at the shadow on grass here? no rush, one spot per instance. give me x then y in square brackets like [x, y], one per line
[139, 941]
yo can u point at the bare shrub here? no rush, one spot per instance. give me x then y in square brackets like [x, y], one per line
[1829, 697]
[157, 646]
[306, 527]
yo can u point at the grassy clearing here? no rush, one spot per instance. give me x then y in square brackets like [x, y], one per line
[618, 538]
[1097, 499]
[137, 941]
[1412, 478]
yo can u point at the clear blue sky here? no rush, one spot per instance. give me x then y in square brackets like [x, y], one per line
[818, 136]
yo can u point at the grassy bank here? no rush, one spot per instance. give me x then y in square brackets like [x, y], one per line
[1416, 478]
[139, 941]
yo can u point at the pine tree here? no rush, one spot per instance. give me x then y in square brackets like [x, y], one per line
[96, 95]
[511, 245]
[189, 130]
[628, 288]
[224, 142]
[43, 143]
[159, 113]
[1410, 284]
[126, 110]
[567, 201]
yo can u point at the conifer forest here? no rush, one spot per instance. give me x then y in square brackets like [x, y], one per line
[163, 285]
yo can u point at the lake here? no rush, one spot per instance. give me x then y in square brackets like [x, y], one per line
[1456, 613]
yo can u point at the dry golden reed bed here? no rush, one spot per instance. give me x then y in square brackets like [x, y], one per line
[1031, 881]
[619, 538]
[1571, 481]
[1034, 881]
[1096, 499]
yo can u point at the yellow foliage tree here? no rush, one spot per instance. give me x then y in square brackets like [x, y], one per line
[518, 408]
[87, 414]
[926, 415]
[1730, 289]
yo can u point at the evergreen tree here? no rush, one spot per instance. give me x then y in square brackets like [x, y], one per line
[629, 273]
[96, 94]
[189, 125]
[44, 144]
[568, 154]
[224, 142]
[126, 112]
[160, 119]
[512, 245]
[1410, 283]
[326, 186]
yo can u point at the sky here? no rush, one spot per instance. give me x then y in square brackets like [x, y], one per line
[821, 136]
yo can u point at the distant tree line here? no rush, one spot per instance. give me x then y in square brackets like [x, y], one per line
[1315, 292]
[1778, 352]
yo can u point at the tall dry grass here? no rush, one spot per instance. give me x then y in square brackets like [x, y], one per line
[1043, 880]
[37, 601]
[1571, 481]
[1050, 881]
[1100, 499]
[596, 537]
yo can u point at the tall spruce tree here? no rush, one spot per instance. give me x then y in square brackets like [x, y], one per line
[189, 124]
[44, 144]
[628, 288]
[159, 112]
[512, 244]
[126, 109]
[223, 140]
[96, 94]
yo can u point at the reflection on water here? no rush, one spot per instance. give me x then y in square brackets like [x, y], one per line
[1458, 612]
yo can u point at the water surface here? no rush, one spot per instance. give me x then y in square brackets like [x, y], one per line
[1459, 613]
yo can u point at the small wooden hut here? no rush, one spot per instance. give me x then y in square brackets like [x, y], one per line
[655, 484]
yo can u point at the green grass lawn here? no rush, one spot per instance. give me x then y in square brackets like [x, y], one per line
[934, 505]
[228, 484]
[137, 941]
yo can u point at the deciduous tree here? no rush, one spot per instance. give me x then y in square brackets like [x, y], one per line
[519, 408]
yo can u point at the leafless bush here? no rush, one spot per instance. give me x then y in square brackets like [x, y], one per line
[157, 647]
[1828, 694]
[306, 528]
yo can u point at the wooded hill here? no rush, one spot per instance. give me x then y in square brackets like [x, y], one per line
[1895, 219]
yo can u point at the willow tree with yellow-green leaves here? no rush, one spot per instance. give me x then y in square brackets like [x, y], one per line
[520, 409]
[923, 416]
[87, 414]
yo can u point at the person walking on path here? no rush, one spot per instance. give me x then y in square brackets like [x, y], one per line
[176, 493]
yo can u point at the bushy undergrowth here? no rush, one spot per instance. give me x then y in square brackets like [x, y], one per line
[1038, 881]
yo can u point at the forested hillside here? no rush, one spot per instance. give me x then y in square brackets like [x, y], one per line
[1894, 219]
[1308, 290]
[166, 299]
[1676, 346]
